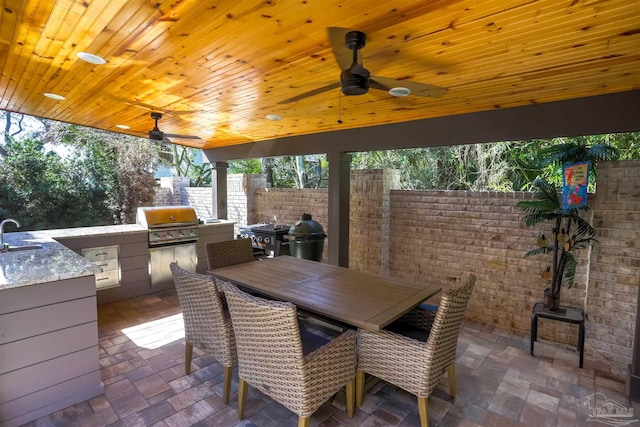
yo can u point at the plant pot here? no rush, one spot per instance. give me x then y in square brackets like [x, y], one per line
[551, 302]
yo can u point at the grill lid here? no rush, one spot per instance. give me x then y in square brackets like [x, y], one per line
[166, 216]
[306, 229]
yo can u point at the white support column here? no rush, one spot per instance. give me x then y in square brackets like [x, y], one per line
[219, 188]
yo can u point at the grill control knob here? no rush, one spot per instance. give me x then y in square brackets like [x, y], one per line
[267, 239]
[180, 234]
[169, 235]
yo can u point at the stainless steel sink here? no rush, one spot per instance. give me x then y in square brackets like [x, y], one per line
[23, 248]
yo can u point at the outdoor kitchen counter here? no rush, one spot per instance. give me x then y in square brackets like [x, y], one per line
[31, 267]
[48, 317]
[55, 261]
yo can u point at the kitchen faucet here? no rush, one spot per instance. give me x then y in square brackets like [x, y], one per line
[3, 248]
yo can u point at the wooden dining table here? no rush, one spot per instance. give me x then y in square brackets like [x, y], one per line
[347, 296]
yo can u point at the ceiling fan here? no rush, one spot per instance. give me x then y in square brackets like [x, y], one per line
[355, 79]
[156, 134]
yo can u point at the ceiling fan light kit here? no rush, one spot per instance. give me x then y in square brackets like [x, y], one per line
[399, 91]
[91, 58]
[54, 96]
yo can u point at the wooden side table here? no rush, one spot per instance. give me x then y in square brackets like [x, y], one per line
[563, 314]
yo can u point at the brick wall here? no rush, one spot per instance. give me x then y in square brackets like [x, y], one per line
[370, 209]
[441, 236]
[201, 198]
[241, 189]
[369, 205]
[615, 266]
[162, 197]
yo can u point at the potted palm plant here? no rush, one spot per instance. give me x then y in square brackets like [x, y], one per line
[569, 232]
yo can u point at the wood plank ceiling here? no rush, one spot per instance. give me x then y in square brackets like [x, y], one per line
[216, 69]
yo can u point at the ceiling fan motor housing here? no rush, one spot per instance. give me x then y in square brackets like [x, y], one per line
[355, 80]
[354, 84]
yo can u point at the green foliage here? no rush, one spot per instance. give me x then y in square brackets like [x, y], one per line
[628, 144]
[496, 166]
[103, 182]
[42, 191]
[289, 171]
[570, 232]
[251, 166]
[122, 165]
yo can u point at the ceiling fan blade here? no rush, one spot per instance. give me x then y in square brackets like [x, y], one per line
[343, 55]
[311, 93]
[417, 89]
[136, 103]
[171, 135]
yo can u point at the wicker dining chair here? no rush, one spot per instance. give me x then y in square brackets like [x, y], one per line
[414, 352]
[278, 358]
[229, 252]
[206, 323]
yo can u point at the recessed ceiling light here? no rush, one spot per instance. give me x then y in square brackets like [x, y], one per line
[399, 91]
[273, 117]
[91, 58]
[123, 126]
[55, 96]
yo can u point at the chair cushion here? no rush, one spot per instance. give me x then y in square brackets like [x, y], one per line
[408, 330]
[430, 307]
[310, 341]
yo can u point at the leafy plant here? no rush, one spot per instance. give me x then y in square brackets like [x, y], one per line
[570, 232]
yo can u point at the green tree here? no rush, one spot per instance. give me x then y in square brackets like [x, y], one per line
[121, 166]
[41, 190]
[250, 166]
[287, 172]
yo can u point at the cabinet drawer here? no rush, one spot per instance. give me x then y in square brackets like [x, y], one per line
[107, 278]
[107, 264]
[100, 254]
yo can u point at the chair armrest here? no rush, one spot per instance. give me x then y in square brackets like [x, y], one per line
[335, 361]
[384, 342]
[395, 358]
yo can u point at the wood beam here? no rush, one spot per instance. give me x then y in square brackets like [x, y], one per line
[584, 116]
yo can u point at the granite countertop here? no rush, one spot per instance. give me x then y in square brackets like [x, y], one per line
[55, 261]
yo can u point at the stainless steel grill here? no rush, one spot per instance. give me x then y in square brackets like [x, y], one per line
[173, 234]
[269, 238]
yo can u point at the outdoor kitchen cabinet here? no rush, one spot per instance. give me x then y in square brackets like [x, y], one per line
[132, 259]
[107, 258]
[49, 354]
[210, 233]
